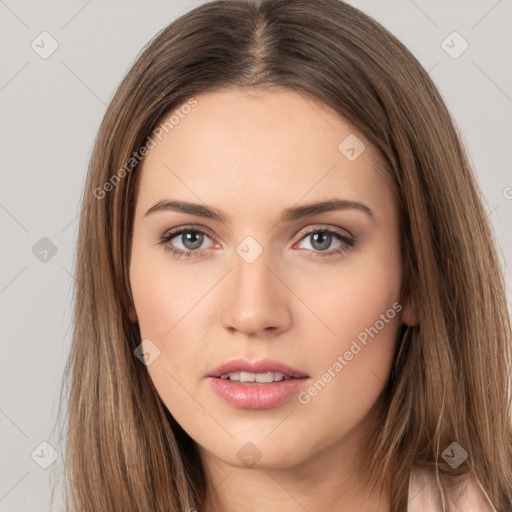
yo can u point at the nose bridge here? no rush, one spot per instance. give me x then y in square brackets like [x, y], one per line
[251, 272]
[256, 299]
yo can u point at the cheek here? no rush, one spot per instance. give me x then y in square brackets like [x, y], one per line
[161, 292]
[353, 368]
[353, 295]
[168, 303]
[361, 305]
[164, 299]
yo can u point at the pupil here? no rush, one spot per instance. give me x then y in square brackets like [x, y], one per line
[325, 240]
[192, 240]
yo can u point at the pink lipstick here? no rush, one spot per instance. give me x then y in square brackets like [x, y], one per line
[262, 384]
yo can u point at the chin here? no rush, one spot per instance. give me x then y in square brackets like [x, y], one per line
[259, 453]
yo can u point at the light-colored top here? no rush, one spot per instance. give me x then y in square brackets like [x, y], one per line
[425, 496]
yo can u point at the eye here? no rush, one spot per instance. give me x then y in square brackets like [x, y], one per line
[190, 239]
[321, 239]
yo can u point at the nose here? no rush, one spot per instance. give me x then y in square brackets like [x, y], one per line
[256, 301]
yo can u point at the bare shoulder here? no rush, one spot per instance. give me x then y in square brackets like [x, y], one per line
[425, 496]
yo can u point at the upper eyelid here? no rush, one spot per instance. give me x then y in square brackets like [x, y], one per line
[170, 234]
[325, 227]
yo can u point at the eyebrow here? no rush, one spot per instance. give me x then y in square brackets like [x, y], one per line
[288, 215]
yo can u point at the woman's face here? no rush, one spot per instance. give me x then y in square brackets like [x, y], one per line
[272, 287]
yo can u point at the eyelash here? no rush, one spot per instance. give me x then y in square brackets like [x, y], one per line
[347, 241]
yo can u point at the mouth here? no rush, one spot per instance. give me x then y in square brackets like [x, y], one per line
[263, 370]
[257, 378]
[263, 384]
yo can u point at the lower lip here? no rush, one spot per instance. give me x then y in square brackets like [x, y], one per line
[256, 396]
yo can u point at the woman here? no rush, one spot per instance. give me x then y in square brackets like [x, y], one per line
[288, 294]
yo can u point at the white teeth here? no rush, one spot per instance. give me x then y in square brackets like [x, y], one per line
[231, 376]
[255, 377]
[247, 377]
[264, 377]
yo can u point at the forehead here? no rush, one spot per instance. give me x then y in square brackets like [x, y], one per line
[258, 148]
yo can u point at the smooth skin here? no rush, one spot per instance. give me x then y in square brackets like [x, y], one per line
[251, 155]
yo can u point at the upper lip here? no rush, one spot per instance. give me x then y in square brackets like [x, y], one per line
[259, 366]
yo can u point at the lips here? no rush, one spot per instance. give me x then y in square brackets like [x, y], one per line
[263, 384]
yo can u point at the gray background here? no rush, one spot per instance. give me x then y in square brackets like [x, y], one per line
[50, 112]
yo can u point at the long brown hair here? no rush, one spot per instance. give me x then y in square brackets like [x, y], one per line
[451, 376]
